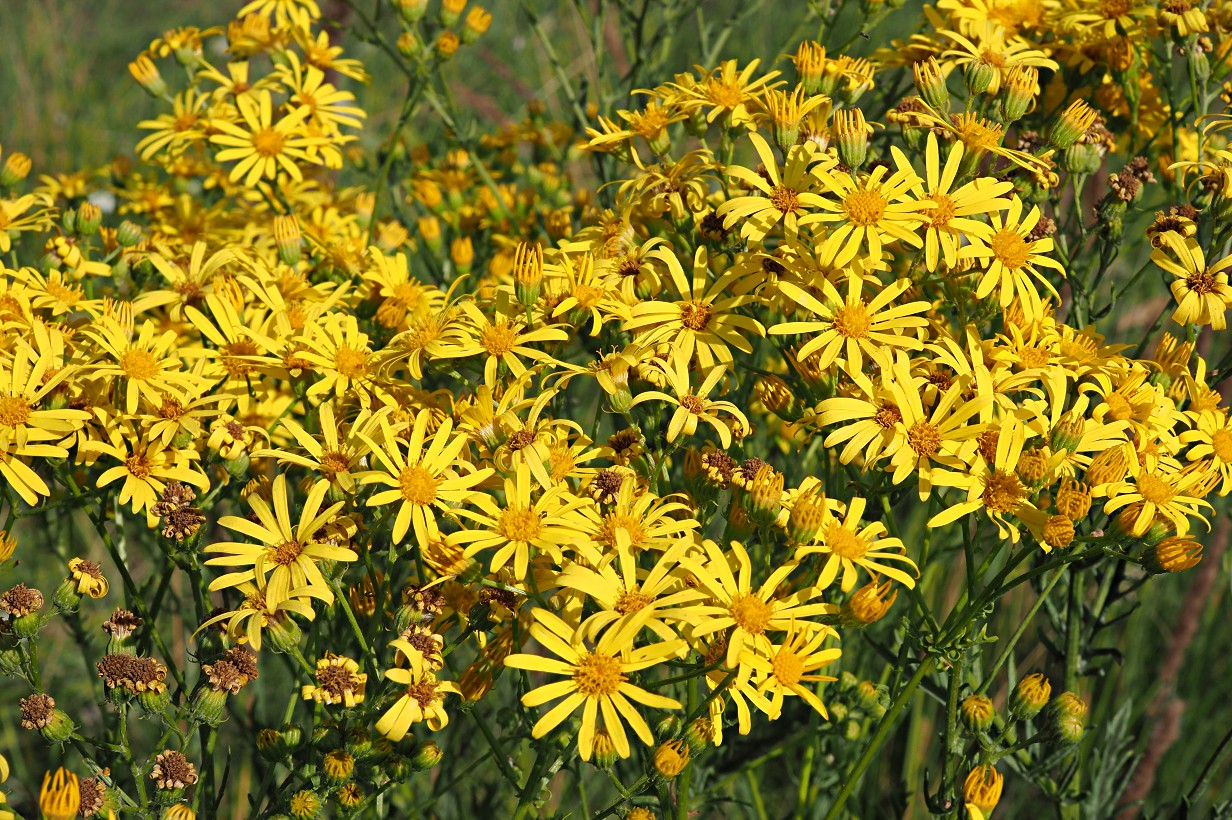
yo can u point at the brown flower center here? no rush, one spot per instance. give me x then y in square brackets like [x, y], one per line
[695, 315]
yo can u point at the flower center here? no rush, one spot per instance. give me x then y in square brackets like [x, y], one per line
[620, 521]
[498, 339]
[286, 553]
[268, 142]
[1221, 441]
[233, 358]
[924, 438]
[519, 524]
[784, 200]
[852, 321]
[888, 416]
[940, 216]
[138, 466]
[1112, 9]
[14, 411]
[725, 94]
[336, 461]
[418, 485]
[1154, 489]
[751, 614]
[693, 404]
[351, 363]
[1010, 248]
[632, 601]
[560, 464]
[1119, 407]
[598, 675]
[1202, 283]
[844, 543]
[695, 315]
[864, 208]
[139, 364]
[1002, 492]
[1032, 357]
[788, 668]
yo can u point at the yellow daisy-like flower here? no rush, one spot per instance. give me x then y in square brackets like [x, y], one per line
[423, 701]
[15, 219]
[87, 578]
[692, 407]
[255, 614]
[424, 478]
[262, 146]
[520, 526]
[994, 49]
[791, 669]
[870, 211]
[750, 613]
[1163, 493]
[1201, 291]
[1014, 260]
[503, 341]
[1212, 438]
[847, 545]
[948, 224]
[146, 467]
[148, 365]
[336, 455]
[285, 560]
[781, 198]
[339, 353]
[849, 327]
[26, 429]
[704, 321]
[597, 680]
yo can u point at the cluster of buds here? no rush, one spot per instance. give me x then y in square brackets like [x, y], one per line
[450, 31]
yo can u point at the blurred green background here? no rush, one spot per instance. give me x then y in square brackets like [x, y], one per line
[68, 101]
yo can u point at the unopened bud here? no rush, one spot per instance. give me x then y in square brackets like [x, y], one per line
[1030, 696]
[146, 74]
[931, 84]
[868, 604]
[128, 234]
[528, 272]
[851, 135]
[978, 713]
[89, 218]
[16, 168]
[982, 788]
[1173, 554]
[1069, 127]
[477, 22]
[288, 239]
[1067, 717]
[671, 758]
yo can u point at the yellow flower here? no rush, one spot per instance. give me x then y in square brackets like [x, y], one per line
[846, 545]
[146, 365]
[338, 681]
[255, 614]
[284, 561]
[850, 328]
[520, 527]
[949, 222]
[735, 604]
[597, 680]
[1201, 290]
[335, 455]
[262, 146]
[502, 339]
[871, 211]
[423, 701]
[60, 796]
[424, 478]
[704, 322]
[692, 407]
[1013, 259]
[88, 577]
[146, 468]
[791, 669]
[783, 197]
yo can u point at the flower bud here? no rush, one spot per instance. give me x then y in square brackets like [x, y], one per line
[451, 11]
[412, 11]
[462, 252]
[1067, 717]
[1073, 499]
[288, 239]
[807, 516]
[89, 218]
[427, 756]
[810, 60]
[409, 45]
[931, 84]
[1069, 127]
[209, 705]
[447, 45]
[979, 76]
[528, 272]
[339, 765]
[982, 788]
[1173, 554]
[978, 713]
[146, 74]
[762, 497]
[851, 133]
[700, 734]
[128, 234]
[284, 634]
[1018, 92]
[776, 395]
[16, 168]
[155, 701]
[477, 22]
[604, 754]
[868, 604]
[671, 758]
[1030, 696]
[1058, 531]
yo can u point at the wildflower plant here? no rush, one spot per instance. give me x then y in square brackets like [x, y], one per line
[582, 466]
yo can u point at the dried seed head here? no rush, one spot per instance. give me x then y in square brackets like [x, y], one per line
[173, 771]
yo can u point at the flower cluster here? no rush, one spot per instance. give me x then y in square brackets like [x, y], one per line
[634, 459]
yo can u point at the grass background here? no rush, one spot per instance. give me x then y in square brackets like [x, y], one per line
[69, 102]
